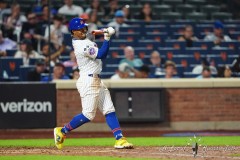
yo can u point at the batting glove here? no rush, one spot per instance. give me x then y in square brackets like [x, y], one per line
[108, 32]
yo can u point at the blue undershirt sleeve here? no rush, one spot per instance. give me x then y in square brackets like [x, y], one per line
[103, 51]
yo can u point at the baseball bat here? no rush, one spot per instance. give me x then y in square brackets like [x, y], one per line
[98, 32]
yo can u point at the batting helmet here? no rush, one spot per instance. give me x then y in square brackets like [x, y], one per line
[76, 24]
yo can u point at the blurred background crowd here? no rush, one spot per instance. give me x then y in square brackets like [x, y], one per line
[154, 38]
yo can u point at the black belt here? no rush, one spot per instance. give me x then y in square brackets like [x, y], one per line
[94, 75]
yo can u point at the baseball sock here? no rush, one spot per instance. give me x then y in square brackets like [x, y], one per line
[113, 123]
[77, 121]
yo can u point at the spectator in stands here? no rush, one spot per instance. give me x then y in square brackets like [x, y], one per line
[72, 62]
[6, 44]
[58, 73]
[57, 30]
[188, 36]
[118, 21]
[206, 73]
[124, 71]
[144, 72]
[217, 36]
[40, 68]
[26, 52]
[127, 12]
[70, 9]
[170, 69]
[111, 9]
[95, 6]
[130, 59]
[146, 13]
[4, 10]
[156, 64]
[14, 21]
[54, 54]
[43, 19]
[224, 72]
[75, 74]
[93, 18]
[204, 63]
[30, 29]
[91, 25]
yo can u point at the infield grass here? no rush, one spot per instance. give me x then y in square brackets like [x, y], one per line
[137, 141]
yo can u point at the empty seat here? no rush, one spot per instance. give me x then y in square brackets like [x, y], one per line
[67, 39]
[196, 16]
[231, 45]
[24, 70]
[235, 35]
[155, 28]
[221, 15]
[203, 44]
[161, 37]
[169, 52]
[209, 9]
[171, 15]
[129, 36]
[159, 9]
[122, 43]
[175, 44]
[185, 8]
[196, 2]
[11, 53]
[197, 52]
[151, 2]
[172, 2]
[149, 44]
[130, 29]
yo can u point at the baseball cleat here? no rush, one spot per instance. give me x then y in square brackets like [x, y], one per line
[122, 143]
[59, 137]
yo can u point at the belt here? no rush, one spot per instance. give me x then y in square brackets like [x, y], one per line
[94, 75]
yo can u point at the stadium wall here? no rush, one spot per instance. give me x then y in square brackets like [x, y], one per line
[211, 104]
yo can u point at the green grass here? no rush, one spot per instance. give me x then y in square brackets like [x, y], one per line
[236, 155]
[139, 141]
[44, 157]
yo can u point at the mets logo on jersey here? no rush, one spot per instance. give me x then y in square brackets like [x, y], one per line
[92, 51]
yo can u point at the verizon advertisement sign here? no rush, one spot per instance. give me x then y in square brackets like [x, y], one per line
[27, 105]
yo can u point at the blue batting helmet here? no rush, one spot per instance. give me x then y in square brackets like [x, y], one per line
[76, 24]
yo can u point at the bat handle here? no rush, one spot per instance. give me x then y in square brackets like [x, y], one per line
[97, 32]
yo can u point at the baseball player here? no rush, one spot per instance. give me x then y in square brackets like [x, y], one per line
[93, 92]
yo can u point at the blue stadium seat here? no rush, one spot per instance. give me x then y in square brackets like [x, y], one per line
[232, 45]
[235, 35]
[11, 53]
[10, 66]
[177, 28]
[130, 29]
[155, 28]
[129, 36]
[67, 39]
[222, 50]
[121, 43]
[149, 44]
[24, 70]
[203, 44]
[105, 75]
[175, 44]
[161, 37]
[196, 52]
[190, 75]
[168, 52]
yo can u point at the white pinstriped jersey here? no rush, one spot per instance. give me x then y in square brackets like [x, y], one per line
[86, 53]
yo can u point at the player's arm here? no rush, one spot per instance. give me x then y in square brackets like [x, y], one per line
[103, 51]
[96, 53]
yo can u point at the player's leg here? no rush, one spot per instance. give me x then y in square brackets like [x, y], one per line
[107, 108]
[89, 98]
